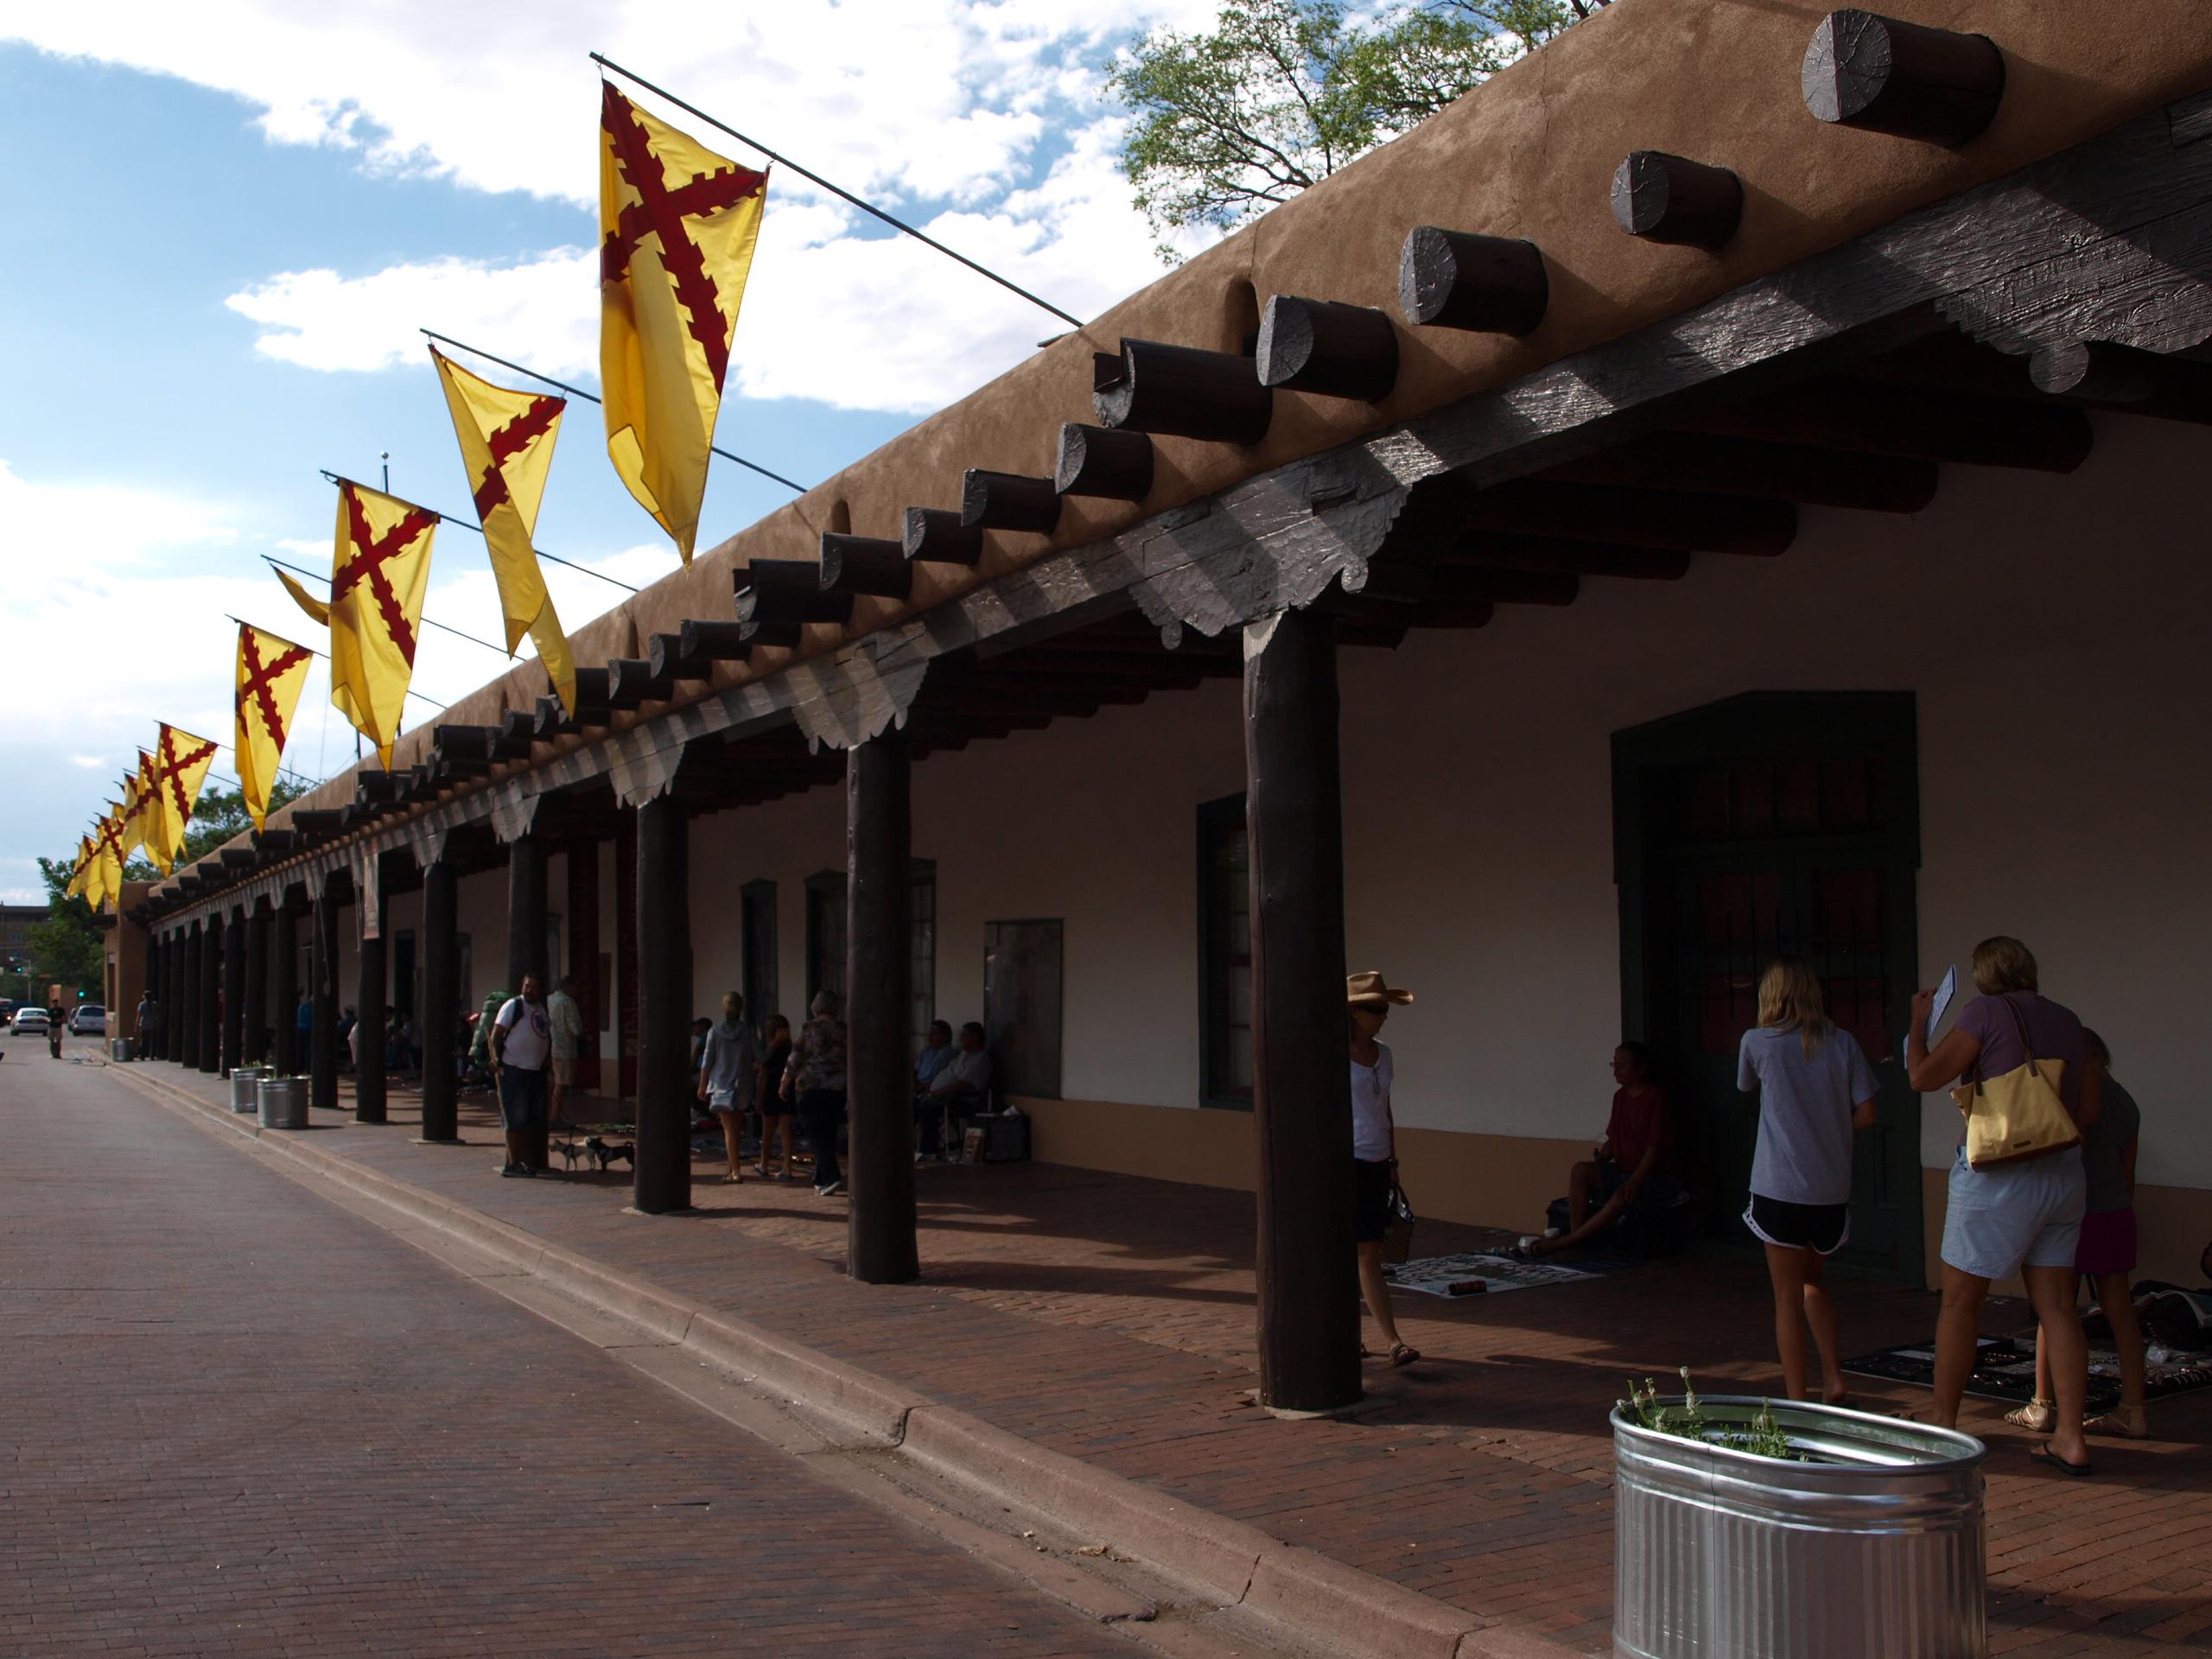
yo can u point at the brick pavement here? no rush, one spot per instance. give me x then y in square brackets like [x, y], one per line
[240, 1420]
[1110, 1318]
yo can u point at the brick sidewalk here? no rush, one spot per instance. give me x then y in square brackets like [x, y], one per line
[1110, 1318]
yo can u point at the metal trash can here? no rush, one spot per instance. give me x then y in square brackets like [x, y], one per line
[284, 1102]
[118, 1050]
[245, 1096]
[1875, 1547]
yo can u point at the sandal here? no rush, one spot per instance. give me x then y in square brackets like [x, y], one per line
[2043, 1455]
[1403, 1353]
[2035, 1415]
[2129, 1423]
[733, 1180]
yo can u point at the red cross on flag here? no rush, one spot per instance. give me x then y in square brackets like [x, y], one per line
[180, 763]
[378, 572]
[506, 448]
[270, 673]
[678, 223]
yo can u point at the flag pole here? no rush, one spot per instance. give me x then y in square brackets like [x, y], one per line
[578, 391]
[605, 62]
[301, 569]
[447, 517]
[310, 650]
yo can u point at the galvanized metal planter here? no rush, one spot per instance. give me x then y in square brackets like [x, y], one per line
[1875, 1548]
[245, 1094]
[284, 1102]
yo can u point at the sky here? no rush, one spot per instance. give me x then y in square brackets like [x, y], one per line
[229, 219]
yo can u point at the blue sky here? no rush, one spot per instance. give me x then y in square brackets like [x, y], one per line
[231, 218]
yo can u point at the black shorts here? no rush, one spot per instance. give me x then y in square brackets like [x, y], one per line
[1821, 1227]
[1371, 1199]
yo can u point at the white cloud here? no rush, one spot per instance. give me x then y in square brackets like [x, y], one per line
[165, 648]
[104, 523]
[945, 110]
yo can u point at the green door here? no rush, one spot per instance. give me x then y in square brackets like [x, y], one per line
[1789, 860]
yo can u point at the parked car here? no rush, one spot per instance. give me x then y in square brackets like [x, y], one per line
[88, 1020]
[28, 1018]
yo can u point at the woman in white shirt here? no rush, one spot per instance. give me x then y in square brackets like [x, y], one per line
[1374, 1146]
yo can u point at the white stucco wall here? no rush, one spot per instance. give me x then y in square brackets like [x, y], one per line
[2049, 627]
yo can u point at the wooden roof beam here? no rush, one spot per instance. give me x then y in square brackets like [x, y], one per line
[1752, 467]
[1485, 284]
[787, 591]
[1688, 521]
[1928, 425]
[938, 536]
[1327, 348]
[865, 564]
[1095, 461]
[1180, 391]
[992, 501]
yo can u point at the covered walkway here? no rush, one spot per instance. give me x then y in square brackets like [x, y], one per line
[1111, 1319]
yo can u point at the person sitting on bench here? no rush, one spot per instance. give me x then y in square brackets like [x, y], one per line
[961, 1087]
[1632, 1173]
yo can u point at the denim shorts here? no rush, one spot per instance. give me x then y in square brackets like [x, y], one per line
[2013, 1215]
[521, 1100]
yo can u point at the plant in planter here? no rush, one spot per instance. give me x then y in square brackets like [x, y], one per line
[1745, 1525]
[1763, 1436]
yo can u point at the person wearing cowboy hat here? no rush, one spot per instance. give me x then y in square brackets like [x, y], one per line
[1369, 998]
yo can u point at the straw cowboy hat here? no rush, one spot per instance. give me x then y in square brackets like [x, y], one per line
[1368, 989]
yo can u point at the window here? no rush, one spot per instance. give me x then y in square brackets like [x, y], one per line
[1224, 955]
[826, 941]
[1021, 1005]
[757, 948]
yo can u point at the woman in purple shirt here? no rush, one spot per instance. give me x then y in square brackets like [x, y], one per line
[2025, 1216]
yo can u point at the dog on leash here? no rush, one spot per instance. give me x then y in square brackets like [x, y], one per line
[607, 1152]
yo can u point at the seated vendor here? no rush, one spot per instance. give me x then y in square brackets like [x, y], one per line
[1633, 1172]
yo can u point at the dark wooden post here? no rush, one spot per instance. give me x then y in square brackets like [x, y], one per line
[158, 975]
[1301, 1059]
[173, 996]
[440, 1002]
[665, 1093]
[879, 1247]
[322, 987]
[234, 991]
[583, 953]
[369, 998]
[526, 941]
[184, 1020]
[256, 1052]
[210, 995]
[285, 926]
[188, 1009]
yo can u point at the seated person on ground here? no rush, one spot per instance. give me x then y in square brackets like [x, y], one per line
[1633, 1172]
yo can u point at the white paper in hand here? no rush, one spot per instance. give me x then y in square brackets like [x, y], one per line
[1945, 990]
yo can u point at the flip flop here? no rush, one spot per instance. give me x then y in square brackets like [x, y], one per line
[1404, 1354]
[2043, 1455]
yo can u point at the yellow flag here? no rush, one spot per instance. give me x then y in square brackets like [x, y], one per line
[377, 573]
[130, 823]
[678, 223]
[314, 608]
[107, 881]
[74, 886]
[147, 829]
[506, 446]
[180, 763]
[270, 673]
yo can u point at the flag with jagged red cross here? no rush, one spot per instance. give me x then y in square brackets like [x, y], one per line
[377, 573]
[677, 226]
[105, 880]
[506, 449]
[80, 870]
[145, 807]
[130, 823]
[180, 763]
[270, 672]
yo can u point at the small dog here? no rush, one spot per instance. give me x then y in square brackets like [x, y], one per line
[625, 1150]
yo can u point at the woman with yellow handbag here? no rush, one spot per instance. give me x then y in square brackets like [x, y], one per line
[2017, 1190]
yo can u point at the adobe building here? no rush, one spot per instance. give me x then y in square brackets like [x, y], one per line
[1734, 483]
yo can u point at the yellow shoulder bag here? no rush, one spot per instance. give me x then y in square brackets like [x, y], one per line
[2020, 1114]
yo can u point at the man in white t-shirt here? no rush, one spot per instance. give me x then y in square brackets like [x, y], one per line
[522, 1042]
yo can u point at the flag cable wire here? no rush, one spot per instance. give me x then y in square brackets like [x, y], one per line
[606, 63]
[427, 622]
[578, 391]
[449, 519]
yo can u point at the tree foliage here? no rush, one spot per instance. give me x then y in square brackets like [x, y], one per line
[1281, 93]
[66, 945]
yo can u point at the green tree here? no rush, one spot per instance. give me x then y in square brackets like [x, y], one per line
[1281, 93]
[65, 948]
[218, 816]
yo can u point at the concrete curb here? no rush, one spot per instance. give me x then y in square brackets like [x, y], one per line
[1223, 1561]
